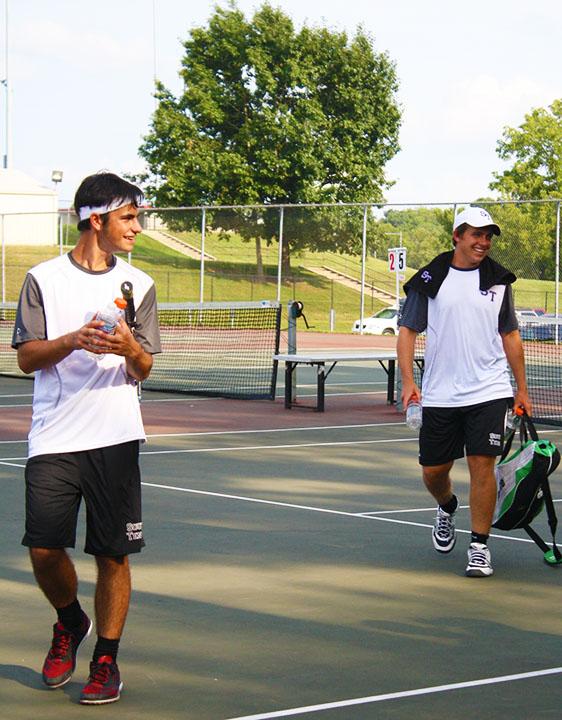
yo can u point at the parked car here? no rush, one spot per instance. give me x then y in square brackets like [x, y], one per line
[538, 325]
[385, 322]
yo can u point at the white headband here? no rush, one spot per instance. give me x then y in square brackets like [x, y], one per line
[85, 212]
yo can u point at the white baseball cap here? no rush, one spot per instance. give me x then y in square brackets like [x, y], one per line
[476, 217]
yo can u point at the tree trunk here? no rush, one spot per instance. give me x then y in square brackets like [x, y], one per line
[259, 260]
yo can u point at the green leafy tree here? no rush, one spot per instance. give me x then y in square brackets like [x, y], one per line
[271, 115]
[535, 149]
[425, 232]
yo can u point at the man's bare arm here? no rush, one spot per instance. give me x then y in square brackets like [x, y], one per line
[405, 348]
[513, 348]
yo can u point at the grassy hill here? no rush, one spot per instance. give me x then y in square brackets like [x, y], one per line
[233, 277]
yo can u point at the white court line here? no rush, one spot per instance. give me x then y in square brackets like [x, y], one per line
[25, 405]
[274, 430]
[390, 512]
[295, 428]
[176, 451]
[403, 694]
[294, 506]
[273, 447]
[18, 395]
[278, 503]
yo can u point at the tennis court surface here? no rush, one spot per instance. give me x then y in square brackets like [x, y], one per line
[289, 572]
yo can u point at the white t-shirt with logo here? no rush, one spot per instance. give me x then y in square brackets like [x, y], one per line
[465, 362]
[82, 403]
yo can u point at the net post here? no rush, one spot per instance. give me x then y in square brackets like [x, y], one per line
[292, 345]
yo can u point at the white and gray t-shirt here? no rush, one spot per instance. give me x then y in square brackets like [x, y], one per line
[465, 362]
[82, 403]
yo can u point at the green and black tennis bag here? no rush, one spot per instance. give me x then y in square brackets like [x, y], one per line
[523, 488]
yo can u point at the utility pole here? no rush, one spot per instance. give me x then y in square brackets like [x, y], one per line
[6, 83]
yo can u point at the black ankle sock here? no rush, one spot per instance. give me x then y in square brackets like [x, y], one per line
[105, 646]
[451, 506]
[479, 538]
[71, 615]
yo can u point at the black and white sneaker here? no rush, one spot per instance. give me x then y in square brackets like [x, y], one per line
[479, 561]
[443, 533]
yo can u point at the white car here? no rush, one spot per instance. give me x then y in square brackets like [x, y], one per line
[385, 322]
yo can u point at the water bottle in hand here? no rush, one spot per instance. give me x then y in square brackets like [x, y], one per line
[414, 415]
[110, 317]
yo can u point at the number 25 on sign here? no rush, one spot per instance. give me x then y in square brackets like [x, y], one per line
[397, 259]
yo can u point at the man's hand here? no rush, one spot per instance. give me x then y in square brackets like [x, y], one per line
[521, 400]
[410, 392]
[121, 342]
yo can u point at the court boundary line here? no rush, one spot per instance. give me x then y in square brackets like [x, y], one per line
[401, 694]
[275, 430]
[278, 400]
[272, 447]
[266, 430]
[294, 428]
[312, 508]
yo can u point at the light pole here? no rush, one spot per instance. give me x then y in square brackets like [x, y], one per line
[7, 160]
[56, 178]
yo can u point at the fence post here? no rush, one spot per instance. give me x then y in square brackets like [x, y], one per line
[59, 218]
[557, 277]
[363, 263]
[280, 256]
[202, 267]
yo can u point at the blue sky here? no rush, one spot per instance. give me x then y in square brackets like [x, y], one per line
[82, 78]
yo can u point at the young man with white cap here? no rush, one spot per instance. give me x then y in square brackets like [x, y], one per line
[463, 301]
[86, 426]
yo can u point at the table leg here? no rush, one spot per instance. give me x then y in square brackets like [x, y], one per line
[320, 383]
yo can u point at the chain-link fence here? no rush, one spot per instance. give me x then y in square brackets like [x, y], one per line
[333, 258]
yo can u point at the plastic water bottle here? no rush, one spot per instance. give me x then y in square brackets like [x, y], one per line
[110, 316]
[414, 415]
[513, 418]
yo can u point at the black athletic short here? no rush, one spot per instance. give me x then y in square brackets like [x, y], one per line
[446, 432]
[108, 479]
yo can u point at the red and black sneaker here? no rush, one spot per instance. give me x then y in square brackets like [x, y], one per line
[61, 658]
[104, 684]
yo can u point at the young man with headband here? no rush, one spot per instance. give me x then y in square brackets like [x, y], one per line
[463, 300]
[86, 426]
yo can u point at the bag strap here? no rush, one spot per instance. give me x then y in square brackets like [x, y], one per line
[526, 429]
[529, 427]
[507, 444]
[552, 522]
[552, 519]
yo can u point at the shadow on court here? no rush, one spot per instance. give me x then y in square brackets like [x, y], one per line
[264, 587]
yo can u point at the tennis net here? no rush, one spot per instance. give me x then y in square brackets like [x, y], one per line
[216, 349]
